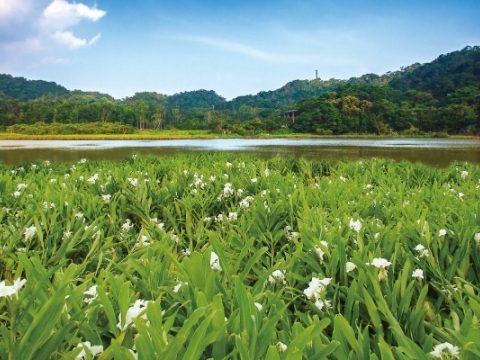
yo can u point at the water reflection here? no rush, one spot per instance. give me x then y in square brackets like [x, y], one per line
[433, 152]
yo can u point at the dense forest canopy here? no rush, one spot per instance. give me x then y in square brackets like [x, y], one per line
[441, 96]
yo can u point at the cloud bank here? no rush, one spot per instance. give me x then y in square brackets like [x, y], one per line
[43, 27]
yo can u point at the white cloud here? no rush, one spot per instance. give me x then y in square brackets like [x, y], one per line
[32, 30]
[248, 50]
[68, 39]
[10, 8]
[61, 14]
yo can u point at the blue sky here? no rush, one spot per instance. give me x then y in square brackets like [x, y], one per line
[232, 47]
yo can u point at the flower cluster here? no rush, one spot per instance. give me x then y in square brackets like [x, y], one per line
[422, 251]
[316, 291]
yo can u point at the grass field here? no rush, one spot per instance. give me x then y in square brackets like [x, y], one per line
[199, 134]
[230, 257]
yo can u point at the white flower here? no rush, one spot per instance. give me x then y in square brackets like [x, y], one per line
[254, 180]
[17, 194]
[380, 263]
[464, 174]
[228, 164]
[92, 293]
[418, 274]
[67, 234]
[258, 306]
[132, 313]
[277, 275]
[422, 251]
[106, 197]
[143, 241]
[174, 238]
[245, 203]
[267, 172]
[93, 179]
[445, 351]
[177, 287]
[133, 181]
[9, 290]
[186, 252]
[93, 349]
[239, 192]
[79, 215]
[227, 190]
[215, 262]
[442, 232]
[232, 216]
[320, 304]
[21, 186]
[351, 266]
[30, 232]
[355, 225]
[82, 161]
[127, 225]
[476, 237]
[292, 235]
[319, 250]
[316, 287]
[281, 347]
[343, 179]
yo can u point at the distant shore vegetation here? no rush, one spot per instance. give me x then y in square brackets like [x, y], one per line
[440, 97]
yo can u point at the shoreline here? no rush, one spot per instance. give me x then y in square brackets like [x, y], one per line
[192, 136]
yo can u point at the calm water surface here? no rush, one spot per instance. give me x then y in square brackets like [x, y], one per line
[433, 152]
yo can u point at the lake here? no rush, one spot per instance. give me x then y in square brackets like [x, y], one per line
[433, 152]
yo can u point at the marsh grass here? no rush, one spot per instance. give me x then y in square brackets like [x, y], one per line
[120, 255]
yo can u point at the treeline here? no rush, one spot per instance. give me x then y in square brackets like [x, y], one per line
[70, 129]
[441, 96]
[383, 110]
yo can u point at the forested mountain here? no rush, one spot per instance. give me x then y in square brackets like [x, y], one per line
[443, 76]
[440, 96]
[287, 95]
[20, 88]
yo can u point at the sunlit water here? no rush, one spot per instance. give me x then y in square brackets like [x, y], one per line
[433, 152]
